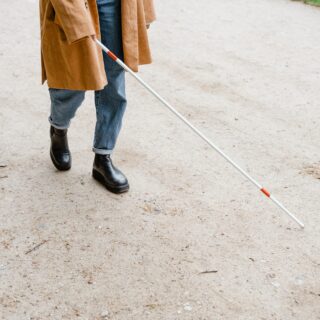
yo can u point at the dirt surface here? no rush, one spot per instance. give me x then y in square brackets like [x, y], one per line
[192, 239]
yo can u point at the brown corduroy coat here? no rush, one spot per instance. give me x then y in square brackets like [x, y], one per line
[71, 59]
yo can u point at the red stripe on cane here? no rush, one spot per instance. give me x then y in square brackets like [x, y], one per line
[266, 192]
[112, 56]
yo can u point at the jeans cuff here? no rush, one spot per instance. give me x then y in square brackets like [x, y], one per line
[58, 127]
[102, 151]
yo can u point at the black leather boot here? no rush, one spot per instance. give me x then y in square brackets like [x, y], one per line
[59, 151]
[106, 173]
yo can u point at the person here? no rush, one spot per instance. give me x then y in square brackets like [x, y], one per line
[72, 63]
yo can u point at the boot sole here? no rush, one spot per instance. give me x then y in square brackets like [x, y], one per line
[99, 177]
[57, 165]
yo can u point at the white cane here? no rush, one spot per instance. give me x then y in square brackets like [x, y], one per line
[200, 134]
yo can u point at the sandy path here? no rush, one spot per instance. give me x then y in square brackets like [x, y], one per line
[248, 76]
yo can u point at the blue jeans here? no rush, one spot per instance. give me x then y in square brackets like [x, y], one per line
[111, 101]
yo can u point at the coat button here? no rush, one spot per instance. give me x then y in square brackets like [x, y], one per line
[86, 4]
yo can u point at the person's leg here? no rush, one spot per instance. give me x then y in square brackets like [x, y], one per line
[111, 101]
[64, 104]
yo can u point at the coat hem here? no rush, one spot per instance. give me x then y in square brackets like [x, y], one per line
[76, 88]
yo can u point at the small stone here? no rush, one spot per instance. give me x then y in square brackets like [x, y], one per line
[147, 208]
[299, 280]
[157, 210]
[187, 307]
[105, 314]
[275, 284]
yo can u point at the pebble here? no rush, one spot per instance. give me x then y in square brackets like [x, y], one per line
[299, 280]
[105, 314]
[187, 307]
[275, 284]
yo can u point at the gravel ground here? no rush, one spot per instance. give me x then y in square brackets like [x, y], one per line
[192, 239]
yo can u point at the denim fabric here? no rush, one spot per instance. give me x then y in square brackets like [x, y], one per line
[64, 104]
[111, 101]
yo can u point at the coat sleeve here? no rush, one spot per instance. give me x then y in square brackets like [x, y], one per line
[150, 13]
[74, 18]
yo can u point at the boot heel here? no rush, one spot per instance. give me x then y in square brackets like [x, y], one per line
[98, 176]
